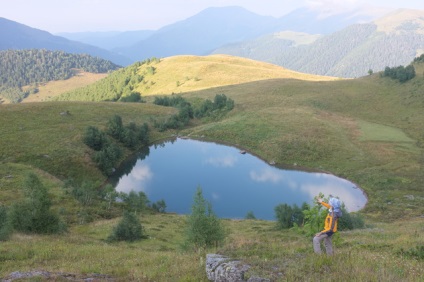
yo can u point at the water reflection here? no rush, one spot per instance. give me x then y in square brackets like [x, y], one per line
[234, 183]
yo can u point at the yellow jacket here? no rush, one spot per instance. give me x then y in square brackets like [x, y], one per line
[330, 225]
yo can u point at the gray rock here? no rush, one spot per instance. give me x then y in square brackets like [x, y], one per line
[224, 269]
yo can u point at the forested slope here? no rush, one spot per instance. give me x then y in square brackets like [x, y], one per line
[19, 68]
[351, 52]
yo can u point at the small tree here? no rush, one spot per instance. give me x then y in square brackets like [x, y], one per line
[128, 229]
[115, 127]
[204, 229]
[250, 215]
[109, 194]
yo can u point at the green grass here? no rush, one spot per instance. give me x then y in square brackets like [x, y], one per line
[38, 135]
[367, 130]
[376, 253]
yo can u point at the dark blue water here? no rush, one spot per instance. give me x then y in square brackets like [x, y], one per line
[232, 182]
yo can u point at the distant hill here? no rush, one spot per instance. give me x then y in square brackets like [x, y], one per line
[20, 68]
[109, 40]
[351, 52]
[219, 26]
[182, 74]
[18, 36]
[306, 20]
[202, 33]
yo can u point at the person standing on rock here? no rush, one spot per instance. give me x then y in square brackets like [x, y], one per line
[330, 226]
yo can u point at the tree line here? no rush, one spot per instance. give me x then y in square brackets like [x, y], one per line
[20, 68]
[401, 73]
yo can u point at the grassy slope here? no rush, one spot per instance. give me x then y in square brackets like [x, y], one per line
[37, 135]
[321, 126]
[189, 73]
[55, 88]
[365, 130]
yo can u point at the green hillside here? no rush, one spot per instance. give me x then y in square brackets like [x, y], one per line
[19, 68]
[367, 130]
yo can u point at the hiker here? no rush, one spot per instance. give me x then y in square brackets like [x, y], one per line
[330, 226]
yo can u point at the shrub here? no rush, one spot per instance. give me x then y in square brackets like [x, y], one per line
[94, 138]
[134, 97]
[250, 215]
[159, 206]
[115, 127]
[289, 216]
[107, 158]
[128, 229]
[33, 214]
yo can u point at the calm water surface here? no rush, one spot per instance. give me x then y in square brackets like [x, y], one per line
[232, 182]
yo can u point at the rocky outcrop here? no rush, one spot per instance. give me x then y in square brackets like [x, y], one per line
[224, 269]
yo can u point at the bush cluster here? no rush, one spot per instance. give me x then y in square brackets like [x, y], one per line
[208, 108]
[108, 153]
[220, 104]
[289, 216]
[400, 73]
[309, 219]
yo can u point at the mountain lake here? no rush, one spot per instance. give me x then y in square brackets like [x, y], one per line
[233, 181]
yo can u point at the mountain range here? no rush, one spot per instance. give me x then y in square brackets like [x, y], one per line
[392, 40]
[345, 45]
[218, 26]
[18, 36]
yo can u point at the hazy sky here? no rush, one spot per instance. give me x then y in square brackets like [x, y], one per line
[121, 15]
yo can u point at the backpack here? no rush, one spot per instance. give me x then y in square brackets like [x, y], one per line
[336, 206]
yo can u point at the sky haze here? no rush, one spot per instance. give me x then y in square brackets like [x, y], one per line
[111, 15]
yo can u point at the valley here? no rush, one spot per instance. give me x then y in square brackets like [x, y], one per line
[337, 94]
[355, 129]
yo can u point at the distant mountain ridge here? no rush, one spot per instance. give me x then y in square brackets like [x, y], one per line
[109, 40]
[343, 47]
[351, 52]
[201, 33]
[216, 27]
[18, 36]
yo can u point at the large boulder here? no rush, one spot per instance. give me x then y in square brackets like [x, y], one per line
[220, 268]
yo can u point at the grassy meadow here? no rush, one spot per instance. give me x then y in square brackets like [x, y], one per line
[55, 88]
[367, 130]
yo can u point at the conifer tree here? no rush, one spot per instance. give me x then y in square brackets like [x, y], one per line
[204, 229]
